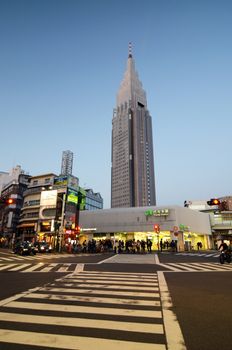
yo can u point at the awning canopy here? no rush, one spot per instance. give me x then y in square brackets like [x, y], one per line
[26, 225]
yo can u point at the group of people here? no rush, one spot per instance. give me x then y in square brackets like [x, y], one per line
[172, 246]
[120, 246]
[91, 246]
[132, 246]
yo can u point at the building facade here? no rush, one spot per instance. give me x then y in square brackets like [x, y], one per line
[93, 200]
[10, 214]
[12, 175]
[34, 219]
[220, 218]
[186, 227]
[132, 164]
[51, 208]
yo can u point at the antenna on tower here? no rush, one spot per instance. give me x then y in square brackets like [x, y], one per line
[130, 49]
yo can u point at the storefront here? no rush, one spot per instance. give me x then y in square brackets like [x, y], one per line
[187, 228]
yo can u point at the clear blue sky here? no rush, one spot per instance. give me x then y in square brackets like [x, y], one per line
[61, 64]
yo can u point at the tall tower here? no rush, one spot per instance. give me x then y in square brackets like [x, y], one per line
[132, 167]
[67, 163]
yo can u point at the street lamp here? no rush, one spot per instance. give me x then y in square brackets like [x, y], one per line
[59, 224]
[157, 230]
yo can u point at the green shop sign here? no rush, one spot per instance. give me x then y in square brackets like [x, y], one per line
[184, 227]
[158, 212]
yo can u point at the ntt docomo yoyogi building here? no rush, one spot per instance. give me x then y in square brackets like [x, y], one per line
[186, 226]
[133, 213]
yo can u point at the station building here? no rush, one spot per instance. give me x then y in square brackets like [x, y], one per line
[187, 227]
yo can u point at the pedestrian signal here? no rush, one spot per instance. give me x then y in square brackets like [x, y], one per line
[157, 228]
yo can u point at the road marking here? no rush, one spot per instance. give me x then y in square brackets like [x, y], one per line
[103, 292]
[79, 268]
[105, 286]
[108, 259]
[112, 281]
[4, 267]
[17, 296]
[151, 322]
[73, 342]
[185, 266]
[82, 322]
[64, 268]
[169, 266]
[112, 278]
[85, 309]
[49, 267]
[20, 267]
[34, 267]
[157, 259]
[175, 340]
[199, 266]
[92, 299]
[218, 267]
[207, 255]
[133, 274]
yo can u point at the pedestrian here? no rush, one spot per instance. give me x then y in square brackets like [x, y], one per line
[172, 245]
[161, 245]
[149, 245]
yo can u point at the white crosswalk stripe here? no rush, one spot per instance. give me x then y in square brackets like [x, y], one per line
[205, 255]
[89, 317]
[197, 267]
[39, 267]
[43, 267]
[13, 257]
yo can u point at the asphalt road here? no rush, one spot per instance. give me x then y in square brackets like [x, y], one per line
[200, 299]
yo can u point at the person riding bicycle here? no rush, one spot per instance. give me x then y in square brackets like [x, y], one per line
[225, 253]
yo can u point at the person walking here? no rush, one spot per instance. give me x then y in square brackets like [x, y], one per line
[161, 245]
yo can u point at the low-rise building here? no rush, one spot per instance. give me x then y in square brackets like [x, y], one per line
[10, 214]
[185, 226]
[220, 218]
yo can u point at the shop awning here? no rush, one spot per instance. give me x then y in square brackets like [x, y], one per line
[26, 225]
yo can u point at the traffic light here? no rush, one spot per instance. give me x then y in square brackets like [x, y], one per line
[7, 201]
[10, 201]
[157, 228]
[214, 201]
[78, 230]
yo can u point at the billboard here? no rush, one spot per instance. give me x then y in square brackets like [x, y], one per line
[48, 198]
[72, 196]
[69, 181]
[61, 181]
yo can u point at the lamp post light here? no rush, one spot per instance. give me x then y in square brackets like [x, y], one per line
[157, 230]
[59, 224]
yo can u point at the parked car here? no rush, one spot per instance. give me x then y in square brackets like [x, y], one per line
[24, 248]
[42, 247]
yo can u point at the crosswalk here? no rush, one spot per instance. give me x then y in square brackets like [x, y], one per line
[39, 267]
[12, 257]
[205, 255]
[71, 267]
[87, 310]
[197, 267]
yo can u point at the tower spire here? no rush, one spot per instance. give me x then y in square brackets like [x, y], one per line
[130, 49]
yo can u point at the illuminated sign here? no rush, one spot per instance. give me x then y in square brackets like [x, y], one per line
[48, 198]
[184, 227]
[67, 181]
[72, 196]
[61, 181]
[158, 212]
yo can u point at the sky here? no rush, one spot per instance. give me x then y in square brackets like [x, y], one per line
[61, 65]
